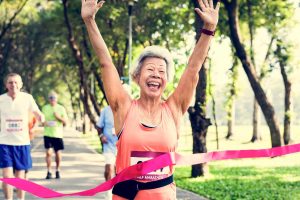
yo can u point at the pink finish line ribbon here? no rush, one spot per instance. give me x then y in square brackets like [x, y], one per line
[152, 165]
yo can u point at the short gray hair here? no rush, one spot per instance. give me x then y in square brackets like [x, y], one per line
[156, 52]
[11, 75]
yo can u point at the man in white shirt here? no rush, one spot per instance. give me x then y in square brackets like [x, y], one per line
[15, 107]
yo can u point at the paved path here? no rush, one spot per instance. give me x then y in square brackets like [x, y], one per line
[82, 168]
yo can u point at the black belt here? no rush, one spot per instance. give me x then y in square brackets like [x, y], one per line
[129, 189]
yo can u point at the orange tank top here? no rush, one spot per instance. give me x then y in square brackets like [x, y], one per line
[138, 143]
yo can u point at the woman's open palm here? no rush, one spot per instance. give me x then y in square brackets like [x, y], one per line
[89, 8]
[208, 13]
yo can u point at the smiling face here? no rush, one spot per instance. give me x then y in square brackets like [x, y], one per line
[153, 77]
[13, 85]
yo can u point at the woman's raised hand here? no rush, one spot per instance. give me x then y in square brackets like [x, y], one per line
[89, 8]
[208, 13]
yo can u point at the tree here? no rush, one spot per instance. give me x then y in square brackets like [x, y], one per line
[269, 15]
[230, 99]
[282, 53]
[255, 117]
[197, 113]
[267, 108]
[84, 92]
[8, 15]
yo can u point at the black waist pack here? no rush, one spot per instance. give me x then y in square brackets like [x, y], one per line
[129, 189]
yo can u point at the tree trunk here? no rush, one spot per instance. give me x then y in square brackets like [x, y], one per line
[255, 122]
[230, 102]
[94, 102]
[84, 95]
[256, 134]
[199, 122]
[94, 71]
[255, 115]
[197, 114]
[260, 95]
[287, 97]
[231, 120]
[210, 91]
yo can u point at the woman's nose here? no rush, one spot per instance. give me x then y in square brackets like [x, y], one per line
[156, 74]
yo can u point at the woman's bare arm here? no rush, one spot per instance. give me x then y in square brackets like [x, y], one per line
[114, 90]
[183, 94]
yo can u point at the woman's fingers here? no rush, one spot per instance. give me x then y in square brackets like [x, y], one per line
[218, 6]
[198, 11]
[201, 4]
[211, 4]
[206, 3]
[100, 4]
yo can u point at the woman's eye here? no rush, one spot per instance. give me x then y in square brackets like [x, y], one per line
[151, 70]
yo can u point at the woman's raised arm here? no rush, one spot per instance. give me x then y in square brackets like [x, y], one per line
[181, 98]
[110, 77]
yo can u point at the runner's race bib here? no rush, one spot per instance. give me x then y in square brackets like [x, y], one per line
[141, 156]
[14, 125]
[51, 123]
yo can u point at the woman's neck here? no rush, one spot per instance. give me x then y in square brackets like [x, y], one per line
[149, 105]
[150, 112]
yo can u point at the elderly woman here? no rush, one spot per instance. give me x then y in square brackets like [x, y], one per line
[148, 126]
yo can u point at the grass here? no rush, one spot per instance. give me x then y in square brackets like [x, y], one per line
[250, 179]
[261, 178]
[243, 182]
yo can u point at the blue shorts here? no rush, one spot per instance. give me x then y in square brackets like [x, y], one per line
[17, 157]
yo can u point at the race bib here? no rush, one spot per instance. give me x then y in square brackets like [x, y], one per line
[14, 125]
[141, 156]
[51, 123]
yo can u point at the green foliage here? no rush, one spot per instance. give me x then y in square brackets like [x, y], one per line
[288, 115]
[161, 22]
[179, 68]
[243, 183]
[270, 14]
[282, 53]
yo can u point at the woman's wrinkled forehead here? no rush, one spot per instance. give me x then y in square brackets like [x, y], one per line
[153, 60]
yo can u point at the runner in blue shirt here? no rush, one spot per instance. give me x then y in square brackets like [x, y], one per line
[108, 138]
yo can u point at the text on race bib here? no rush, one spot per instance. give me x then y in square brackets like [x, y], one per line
[14, 125]
[141, 156]
[51, 123]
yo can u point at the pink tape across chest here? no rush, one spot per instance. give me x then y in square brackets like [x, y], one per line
[152, 165]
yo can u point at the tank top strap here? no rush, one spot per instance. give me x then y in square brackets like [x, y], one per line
[132, 106]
